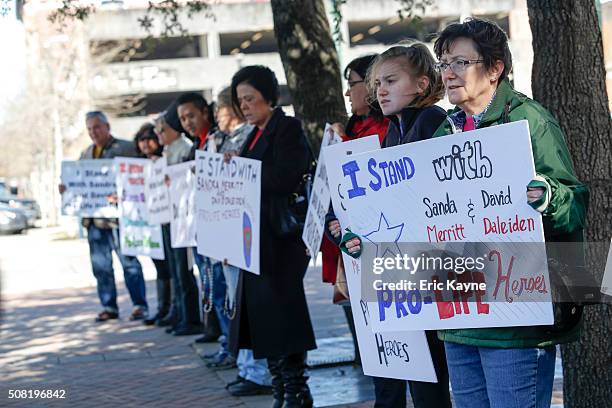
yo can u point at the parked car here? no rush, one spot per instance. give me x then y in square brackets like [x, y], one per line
[12, 220]
[30, 207]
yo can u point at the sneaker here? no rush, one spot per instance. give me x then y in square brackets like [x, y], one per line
[106, 315]
[210, 356]
[223, 362]
[248, 388]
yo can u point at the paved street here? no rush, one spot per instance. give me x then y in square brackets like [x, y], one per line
[49, 341]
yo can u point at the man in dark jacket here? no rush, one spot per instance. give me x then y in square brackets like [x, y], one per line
[102, 233]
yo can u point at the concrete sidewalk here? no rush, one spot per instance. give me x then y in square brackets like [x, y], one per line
[49, 340]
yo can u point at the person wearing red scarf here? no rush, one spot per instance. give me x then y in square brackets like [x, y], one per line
[367, 119]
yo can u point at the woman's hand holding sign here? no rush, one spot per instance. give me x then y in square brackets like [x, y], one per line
[353, 246]
[334, 228]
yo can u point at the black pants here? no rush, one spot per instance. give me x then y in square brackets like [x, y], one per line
[161, 266]
[391, 393]
[162, 284]
[186, 287]
[348, 312]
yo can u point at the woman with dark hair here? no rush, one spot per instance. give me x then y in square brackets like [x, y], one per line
[509, 367]
[148, 146]
[367, 119]
[272, 314]
[406, 85]
[146, 142]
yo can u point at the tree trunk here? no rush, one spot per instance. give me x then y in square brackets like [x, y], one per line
[569, 79]
[311, 64]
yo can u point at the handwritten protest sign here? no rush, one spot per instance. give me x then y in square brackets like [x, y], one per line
[228, 201]
[319, 198]
[136, 235]
[88, 183]
[461, 189]
[402, 355]
[156, 192]
[182, 202]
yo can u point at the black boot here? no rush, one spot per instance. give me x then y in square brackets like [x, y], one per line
[212, 330]
[171, 318]
[164, 297]
[278, 387]
[297, 393]
[163, 301]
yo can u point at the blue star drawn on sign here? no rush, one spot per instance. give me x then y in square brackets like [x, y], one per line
[385, 234]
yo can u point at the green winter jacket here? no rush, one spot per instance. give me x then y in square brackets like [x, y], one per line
[563, 219]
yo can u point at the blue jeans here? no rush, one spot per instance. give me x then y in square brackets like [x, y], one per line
[231, 274]
[485, 377]
[255, 370]
[219, 288]
[102, 243]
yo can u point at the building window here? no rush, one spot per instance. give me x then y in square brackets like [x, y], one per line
[502, 21]
[248, 42]
[149, 104]
[391, 31]
[148, 49]
[394, 30]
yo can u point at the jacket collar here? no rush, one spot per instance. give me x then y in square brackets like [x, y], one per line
[105, 148]
[264, 140]
[409, 116]
[504, 101]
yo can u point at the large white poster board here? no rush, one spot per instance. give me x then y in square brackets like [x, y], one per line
[228, 201]
[136, 235]
[402, 355]
[465, 188]
[182, 201]
[156, 192]
[319, 198]
[88, 183]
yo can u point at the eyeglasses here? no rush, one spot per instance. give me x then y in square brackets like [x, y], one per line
[353, 83]
[457, 66]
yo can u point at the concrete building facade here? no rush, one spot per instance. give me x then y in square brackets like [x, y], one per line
[241, 33]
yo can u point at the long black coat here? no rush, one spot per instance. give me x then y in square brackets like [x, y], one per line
[272, 316]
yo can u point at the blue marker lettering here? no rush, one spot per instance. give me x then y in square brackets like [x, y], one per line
[350, 169]
[372, 170]
[384, 302]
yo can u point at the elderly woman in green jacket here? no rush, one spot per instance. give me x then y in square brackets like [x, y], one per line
[508, 367]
